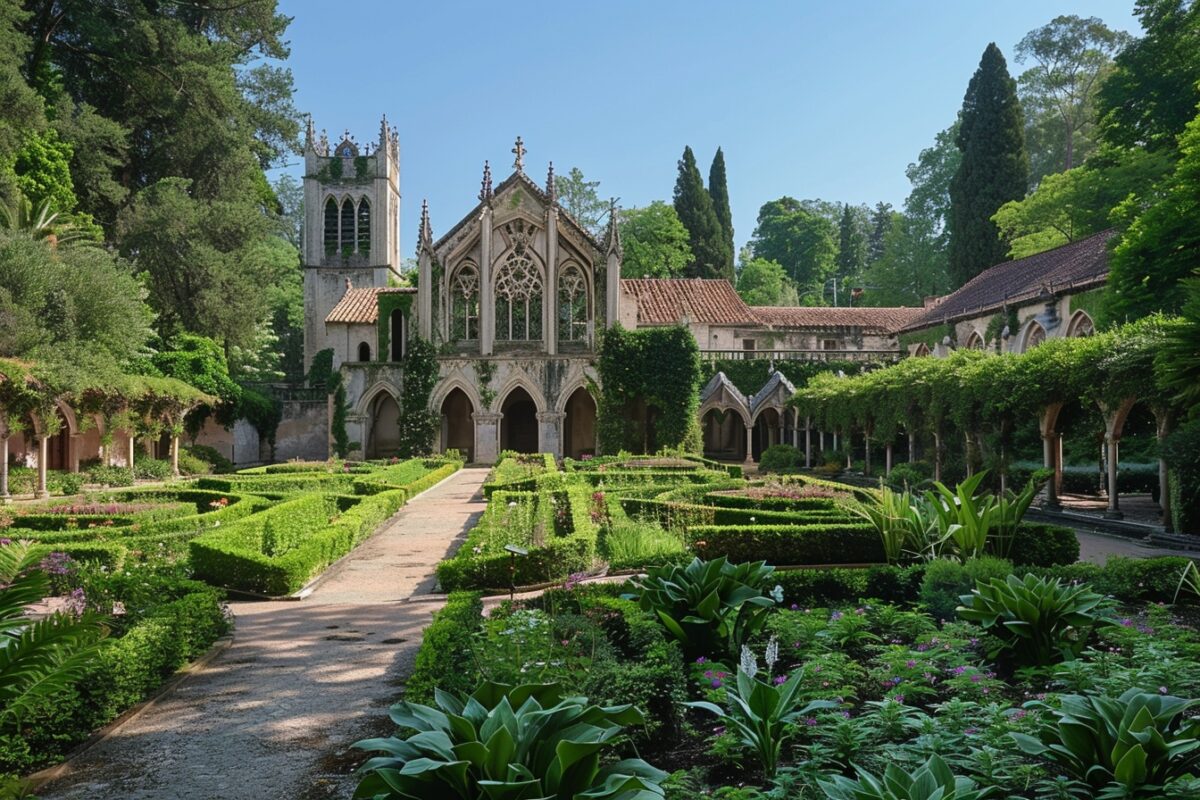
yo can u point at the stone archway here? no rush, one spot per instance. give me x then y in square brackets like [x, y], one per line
[768, 430]
[579, 425]
[519, 424]
[724, 435]
[458, 427]
[384, 437]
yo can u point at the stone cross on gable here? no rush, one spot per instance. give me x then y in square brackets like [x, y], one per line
[519, 151]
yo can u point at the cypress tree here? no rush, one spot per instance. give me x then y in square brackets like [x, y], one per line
[852, 246]
[994, 168]
[881, 223]
[718, 190]
[695, 210]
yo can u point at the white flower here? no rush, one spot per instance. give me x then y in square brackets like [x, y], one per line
[772, 655]
[748, 663]
[777, 593]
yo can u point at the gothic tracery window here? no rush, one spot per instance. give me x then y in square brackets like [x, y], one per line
[464, 304]
[363, 229]
[346, 235]
[331, 225]
[572, 305]
[518, 298]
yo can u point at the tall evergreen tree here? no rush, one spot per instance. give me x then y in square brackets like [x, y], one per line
[882, 218]
[695, 209]
[852, 249]
[994, 167]
[718, 190]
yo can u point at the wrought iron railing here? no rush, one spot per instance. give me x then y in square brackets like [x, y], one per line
[800, 355]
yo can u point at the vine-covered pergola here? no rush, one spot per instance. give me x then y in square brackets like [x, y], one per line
[42, 402]
[986, 397]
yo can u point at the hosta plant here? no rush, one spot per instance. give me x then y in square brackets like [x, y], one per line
[506, 743]
[1130, 746]
[712, 607]
[763, 714]
[1036, 621]
[933, 780]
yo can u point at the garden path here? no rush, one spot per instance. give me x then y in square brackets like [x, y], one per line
[274, 714]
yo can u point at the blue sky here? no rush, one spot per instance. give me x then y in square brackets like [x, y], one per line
[830, 100]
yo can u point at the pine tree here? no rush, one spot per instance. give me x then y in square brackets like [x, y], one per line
[881, 222]
[852, 247]
[695, 210]
[718, 190]
[994, 168]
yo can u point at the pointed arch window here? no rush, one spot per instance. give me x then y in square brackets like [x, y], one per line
[363, 228]
[572, 305]
[518, 298]
[331, 225]
[1036, 335]
[346, 234]
[464, 304]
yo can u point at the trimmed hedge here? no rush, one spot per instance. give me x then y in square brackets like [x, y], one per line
[569, 548]
[445, 660]
[786, 545]
[665, 512]
[124, 672]
[772, 503]
[287, 483]
[1038, 545]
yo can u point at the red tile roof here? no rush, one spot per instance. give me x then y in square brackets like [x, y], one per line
[882, 319]
[1078, 265]
[665, 301]
[361, 306]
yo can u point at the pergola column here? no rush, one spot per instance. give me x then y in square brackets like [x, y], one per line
[912, 447]
[5, 497]
[866, 454]
[749, 444]
[132, 442]
[807, 443]
[1163, 419]
[43, 456]
[175, 454]
[887, 459]
[1050, 462]
[937, 455]
[1111, 442]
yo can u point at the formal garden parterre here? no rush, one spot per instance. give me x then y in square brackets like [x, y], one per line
[929, 645]
[137, 581]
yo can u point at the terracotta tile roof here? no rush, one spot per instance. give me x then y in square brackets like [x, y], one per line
[361, 306]
[665, 301]
[1078, 265]
[883, 319]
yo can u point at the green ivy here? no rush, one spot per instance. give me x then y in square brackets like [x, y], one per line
[655, 368]
[928, 336]
[389, 302]
[360, 167]
[484, 372]
[1091, 302]
[749, 375]
[417, 423]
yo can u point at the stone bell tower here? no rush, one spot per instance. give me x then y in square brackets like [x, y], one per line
[351, 223]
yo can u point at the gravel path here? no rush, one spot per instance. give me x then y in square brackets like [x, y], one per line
[273, 716]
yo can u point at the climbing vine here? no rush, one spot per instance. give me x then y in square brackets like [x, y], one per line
[389, 302]
[484, 372]
[650, 381]
[417, 422]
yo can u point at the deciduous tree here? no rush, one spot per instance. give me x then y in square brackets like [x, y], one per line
[800, 241]
[656, 243]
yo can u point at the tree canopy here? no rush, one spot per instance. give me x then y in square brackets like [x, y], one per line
[800, 241]
[706, 238]
[655, 242]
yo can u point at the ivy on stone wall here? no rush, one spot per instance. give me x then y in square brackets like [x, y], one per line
[928, 337]
[749, 375]
[650, 381]
[417, 423]
[389, 302]
[484, 372]
[322, 375]
[1092, 302]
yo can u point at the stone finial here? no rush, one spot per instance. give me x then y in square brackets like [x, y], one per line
[425, 234]
[310, 134]
[551, 187]
[614, 230]
[323, 149]
[519, 151]
[383, 134]
[485, 185]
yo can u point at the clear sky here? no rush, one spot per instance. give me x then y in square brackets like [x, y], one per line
[826, 100]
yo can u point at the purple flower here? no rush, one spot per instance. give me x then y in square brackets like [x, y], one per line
[910, 664]
[1162, 690]
[701, 660]
[716, 683]
[811, 722]
[971, 731]
[835, 616]
[58, 564]
[780, 680]
[899, 699]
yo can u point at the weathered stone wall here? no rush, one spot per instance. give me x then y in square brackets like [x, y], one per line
[303, 433]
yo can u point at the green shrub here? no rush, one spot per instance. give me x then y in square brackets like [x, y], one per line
[190, 465]
[835, 543]
[1036, 545]
[506, 742]
[1181, 450]
[152, 469]
[780, 458]
[1036, 621]
[106, 475]
[945, 581]
[445, 660]
[218, 463]
[932, 780]
[70, 483]
[909, 475]
[1129, 746]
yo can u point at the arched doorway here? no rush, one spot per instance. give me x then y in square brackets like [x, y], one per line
[58, 449]
[384, 437]
[518, 426]
[458, 428]
[724, 435]
[768, 430]
[579, 427]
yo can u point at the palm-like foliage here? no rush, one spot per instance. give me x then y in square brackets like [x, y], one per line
[38, 657]
[1178, 358]
[506, 743]
[708, 605]
[1123, 747]
[40, 223]
[933, 780]
[763, 715]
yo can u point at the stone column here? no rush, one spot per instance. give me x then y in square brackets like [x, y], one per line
[749, 444]
[887, 459]
[1111, 441]
[5, 497]
[487, 296]
[487, 436]
[132, 442]
[550, 292]
[1049, 461]
[43, 457]
[73, 440]
[550, 432]
[1163, 420]
[175, 454]
[912, 447]
[807, 444]
[424, 296]
[821, 437]
[937, 455]
[866, 455]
